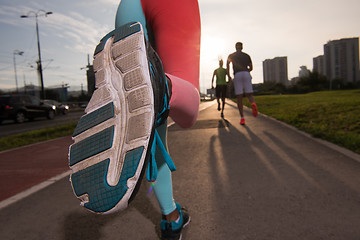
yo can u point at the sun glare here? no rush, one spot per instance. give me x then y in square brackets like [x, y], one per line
[212, 49]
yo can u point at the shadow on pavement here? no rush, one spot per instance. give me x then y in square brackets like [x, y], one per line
[83, 224]
[270, 185]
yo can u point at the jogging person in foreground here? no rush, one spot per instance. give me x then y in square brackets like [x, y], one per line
[221, 85]
[242, 66]
[145, 70]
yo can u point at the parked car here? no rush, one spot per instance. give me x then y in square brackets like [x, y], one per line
[60, 107]
[22, 107]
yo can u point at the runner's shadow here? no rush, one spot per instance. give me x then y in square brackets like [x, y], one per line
[223, 123]
[229, 152]
[85, 225]
[231, 105]
[242, 155]
[144, 203]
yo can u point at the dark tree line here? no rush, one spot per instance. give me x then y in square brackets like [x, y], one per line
[311, 83]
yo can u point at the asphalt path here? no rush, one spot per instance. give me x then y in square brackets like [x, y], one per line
[9, 127]
[264, 180]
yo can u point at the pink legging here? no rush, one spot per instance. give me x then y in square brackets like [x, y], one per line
[176, 27]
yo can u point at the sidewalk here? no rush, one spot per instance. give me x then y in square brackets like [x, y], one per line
[263, 180]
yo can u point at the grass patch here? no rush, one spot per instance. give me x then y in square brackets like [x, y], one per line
[330, 115]
[36, 136]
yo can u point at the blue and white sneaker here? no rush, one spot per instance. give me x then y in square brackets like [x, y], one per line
[113, 140]
[173, 230]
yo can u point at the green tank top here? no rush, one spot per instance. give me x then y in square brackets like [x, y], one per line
[220, 76]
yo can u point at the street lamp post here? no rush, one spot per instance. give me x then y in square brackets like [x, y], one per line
[16, 52]
[36, 15]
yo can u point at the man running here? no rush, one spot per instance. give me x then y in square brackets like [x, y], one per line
[221, 85]
[242, 66]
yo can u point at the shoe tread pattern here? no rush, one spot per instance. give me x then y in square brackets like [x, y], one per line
[91, 146]
[92, 181]
[94, 118]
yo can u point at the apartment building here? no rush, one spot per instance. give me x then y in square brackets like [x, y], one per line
[342, 59]
[276, 70]
[319, 64]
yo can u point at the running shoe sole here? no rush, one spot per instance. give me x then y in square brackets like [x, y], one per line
[111, 141]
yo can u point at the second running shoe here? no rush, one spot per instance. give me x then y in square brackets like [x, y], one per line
[173, 230]
[254, 109]
[112, 141]
[242, 121]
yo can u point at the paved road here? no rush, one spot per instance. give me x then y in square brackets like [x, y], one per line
[259, 181]
[9, 127]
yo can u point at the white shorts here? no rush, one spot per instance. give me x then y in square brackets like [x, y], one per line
[242, 81]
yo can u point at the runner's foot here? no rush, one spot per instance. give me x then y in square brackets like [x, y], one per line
[254, 109]
[242, 121]
[114, 138]
[173, 230]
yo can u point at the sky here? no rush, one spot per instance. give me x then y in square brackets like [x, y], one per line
[268, 29]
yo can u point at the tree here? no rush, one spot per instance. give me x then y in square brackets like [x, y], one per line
[271, 88]
[313, 82]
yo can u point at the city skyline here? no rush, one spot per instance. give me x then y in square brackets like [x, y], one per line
[268, 30]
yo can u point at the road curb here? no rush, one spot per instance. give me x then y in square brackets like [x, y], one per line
[333, 146]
